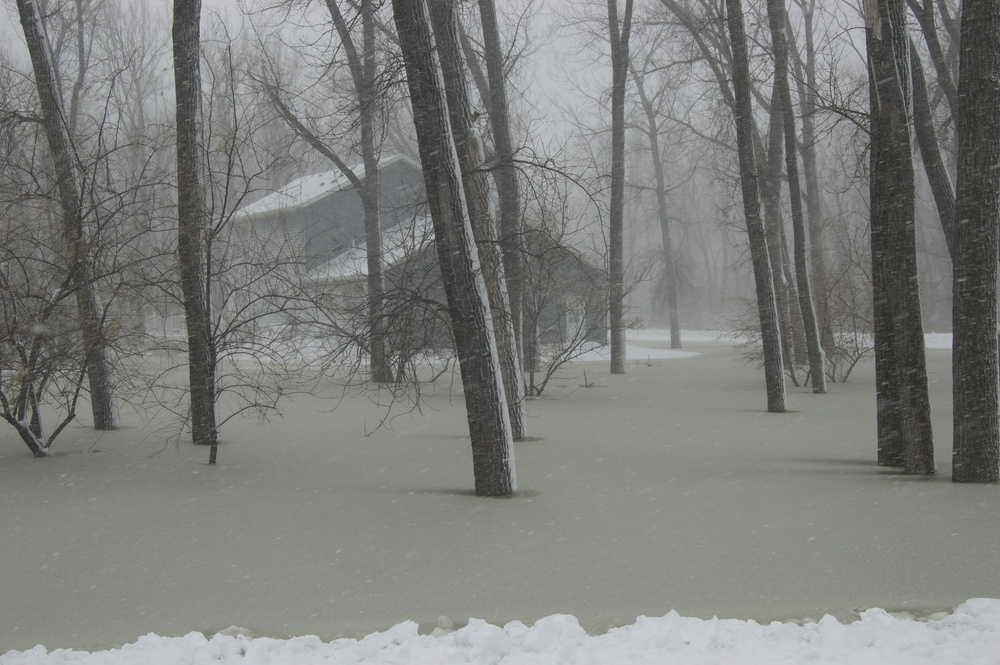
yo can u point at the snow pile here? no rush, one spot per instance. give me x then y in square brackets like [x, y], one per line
[632, 352]
[663, 335]
[937, 340]
[637, 349]
[969, 635]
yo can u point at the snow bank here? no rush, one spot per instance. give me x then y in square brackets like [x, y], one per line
[937, 340]
[969, 635]
[633, 353]
[663, 335]
[637, 350]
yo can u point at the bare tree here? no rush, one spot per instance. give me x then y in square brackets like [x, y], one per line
[74, 235]
[619, 31]
[192, 223]
[489, 426]
[650, 100]
[40, 346]
[779, 45]
[363, 67]
[704, 22]
[804, 65]
[505, 174]
[976, 456]
[928, 14]
[903, 405]
[930, 152]
[770, 334]
[467, 145]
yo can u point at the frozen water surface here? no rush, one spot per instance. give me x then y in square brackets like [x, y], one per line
[667, 488]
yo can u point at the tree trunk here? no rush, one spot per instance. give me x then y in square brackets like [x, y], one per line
[470, 158]
[669, 267]
[363, 68]
[784, 285]
[619, 33]
[928, 27]
[814, 206]
[489, 426]
[893, 239]
[99, 373]
[192, 223]
[976, 455]
[770, 334]
[505, 175]
[370, 154]
[930, 153]
[817, 369]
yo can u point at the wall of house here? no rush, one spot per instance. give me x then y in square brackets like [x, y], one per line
[327, 225]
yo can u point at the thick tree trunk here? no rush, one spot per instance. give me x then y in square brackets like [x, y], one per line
[505, 175]
[817, 369]
[619, 33]
[893, 239]
[774, 375]
[99, 373]
[445, 23]
[489, 426]
[192, 223]
[976, 455]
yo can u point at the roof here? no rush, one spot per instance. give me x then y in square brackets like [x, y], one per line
[308, 189]
[398, 242]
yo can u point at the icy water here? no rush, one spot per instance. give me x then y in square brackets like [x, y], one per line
[664, 489]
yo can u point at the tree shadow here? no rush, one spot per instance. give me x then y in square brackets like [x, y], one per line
[862, 466]
[466, 492]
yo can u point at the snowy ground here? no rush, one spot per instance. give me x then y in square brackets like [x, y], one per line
[664, 489]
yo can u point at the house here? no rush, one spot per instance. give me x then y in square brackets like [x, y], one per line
[322, 216]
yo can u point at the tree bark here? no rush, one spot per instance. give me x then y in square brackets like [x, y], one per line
[789, 322]
[774, 375]
[619, 32]
[925, 16]
[817, 369]
[976, 455]
[930, 153]
[192, 223]
[470, 158]
[363, 67]
[505, 175]
[899, 341]
[489, 426]
[99, 374]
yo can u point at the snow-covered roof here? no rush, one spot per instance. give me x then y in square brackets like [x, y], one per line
[307, 189]
[398, 242]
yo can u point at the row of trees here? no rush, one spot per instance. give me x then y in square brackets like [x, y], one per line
[754, 52]
[227, 136]
[701, 91]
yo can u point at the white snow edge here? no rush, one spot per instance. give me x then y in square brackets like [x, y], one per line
[968, 635]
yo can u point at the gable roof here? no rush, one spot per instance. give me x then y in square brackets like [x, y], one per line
[303, 191]
[399, 242]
